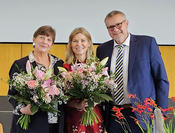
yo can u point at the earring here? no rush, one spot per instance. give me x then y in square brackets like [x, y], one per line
[33, 45]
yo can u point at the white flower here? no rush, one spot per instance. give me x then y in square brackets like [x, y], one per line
[104, 61]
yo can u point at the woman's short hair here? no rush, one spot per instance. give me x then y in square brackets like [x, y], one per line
[45, 30]
[70, 57]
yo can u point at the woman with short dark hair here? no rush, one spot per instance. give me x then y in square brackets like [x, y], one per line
[41, 121]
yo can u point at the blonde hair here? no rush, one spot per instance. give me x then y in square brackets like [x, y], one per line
[70, 57]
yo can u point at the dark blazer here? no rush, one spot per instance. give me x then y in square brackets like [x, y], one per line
[39, 121]
[147, 77]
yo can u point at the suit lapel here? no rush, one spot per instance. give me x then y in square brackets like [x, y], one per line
[132, 54]
[109, 51]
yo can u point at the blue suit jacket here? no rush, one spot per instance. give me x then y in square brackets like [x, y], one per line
[147, 77]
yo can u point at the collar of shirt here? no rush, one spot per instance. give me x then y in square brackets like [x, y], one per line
[52, 60]
[126, 42]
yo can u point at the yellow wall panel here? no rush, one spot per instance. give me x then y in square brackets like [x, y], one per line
[11, 52]
[8, 54]
[168, 55]
[26, 49]
[95, 47]
[59, 51]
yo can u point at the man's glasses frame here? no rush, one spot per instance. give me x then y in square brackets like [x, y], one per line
[118, 25]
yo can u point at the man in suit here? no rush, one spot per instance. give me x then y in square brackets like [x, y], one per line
[143, 70]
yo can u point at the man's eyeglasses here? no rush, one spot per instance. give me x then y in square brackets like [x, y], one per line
[118, 25]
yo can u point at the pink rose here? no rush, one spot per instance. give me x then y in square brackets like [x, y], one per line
[32, 84]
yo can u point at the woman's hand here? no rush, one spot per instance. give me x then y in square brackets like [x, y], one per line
[26, 110]
[81, 105]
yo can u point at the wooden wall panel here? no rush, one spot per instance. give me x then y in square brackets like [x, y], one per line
[26, 49]
[11, 52]
[59, 51]
[168, 55]
[8, 54]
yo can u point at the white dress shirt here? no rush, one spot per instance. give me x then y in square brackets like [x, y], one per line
[125, 66]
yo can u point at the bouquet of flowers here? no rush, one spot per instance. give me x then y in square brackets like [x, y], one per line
[152, 119]
[89, 81]
[38, 88]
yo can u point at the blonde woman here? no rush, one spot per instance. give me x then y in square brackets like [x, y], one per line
[79, 50]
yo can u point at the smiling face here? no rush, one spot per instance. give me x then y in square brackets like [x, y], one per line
[43, 43]
[117, 26]
[80, 45]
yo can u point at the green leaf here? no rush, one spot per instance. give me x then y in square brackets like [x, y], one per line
[20, 99]
[75, 93]
[90, 117]
[106, 97]
[90, 103]
[48, 108]
[62, 69]
[24, 121]
[48, 74]
[34, 109]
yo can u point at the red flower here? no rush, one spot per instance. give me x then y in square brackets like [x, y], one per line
[152, 116]
[164, 117]
[132, 96]
[167, 109]
[164, 110]
[134, 109]
[118, 113]
[170, 108]
[141, 107]
[136, 121]
[150, 102]
[173, 98]
[149, 109]
[144, 110]
[116, 109]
